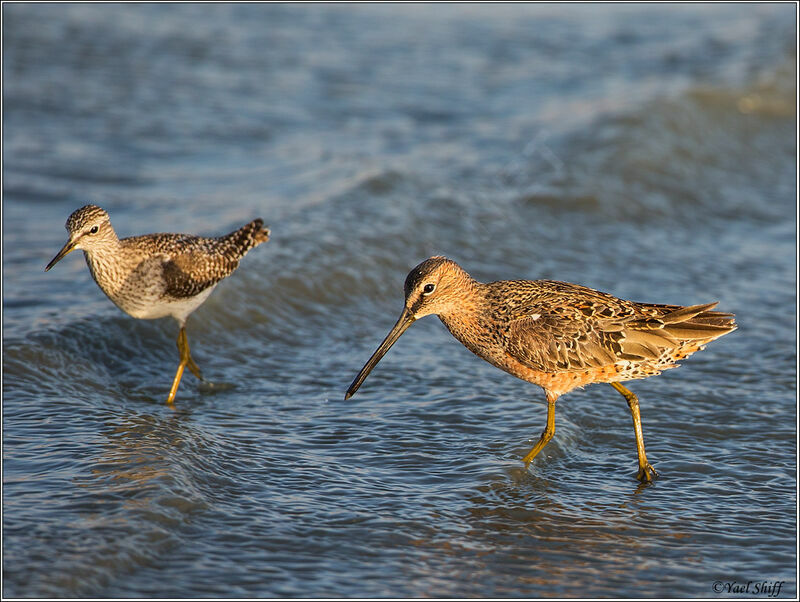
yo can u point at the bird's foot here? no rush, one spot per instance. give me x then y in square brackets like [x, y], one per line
[206, 386]
[529, 458]
[194, 369]
[647, 473]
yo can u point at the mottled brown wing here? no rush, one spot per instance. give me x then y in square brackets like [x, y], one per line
[555, 343]
[190, 264]
[566, 327]
[188, 274]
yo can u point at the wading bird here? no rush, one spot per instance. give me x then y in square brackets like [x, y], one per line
[555, 334]
[158, 275]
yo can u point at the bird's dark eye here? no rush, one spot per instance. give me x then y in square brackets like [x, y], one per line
[428, 289]
[93, 230]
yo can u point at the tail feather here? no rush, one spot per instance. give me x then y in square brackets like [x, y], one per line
[248, 236]
[716, 318]
[682, 314]
[692, 331]
[700, 323]
[675, 330]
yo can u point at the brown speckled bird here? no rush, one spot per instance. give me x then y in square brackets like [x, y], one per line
[555, 334]
[158, 275]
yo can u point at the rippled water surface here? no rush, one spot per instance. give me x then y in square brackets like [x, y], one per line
[645, 151]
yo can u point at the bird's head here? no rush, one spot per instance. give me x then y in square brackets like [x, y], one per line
[89, 228]
[436, 286]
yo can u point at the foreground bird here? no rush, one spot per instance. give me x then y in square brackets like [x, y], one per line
[555, 334]
[158, 275]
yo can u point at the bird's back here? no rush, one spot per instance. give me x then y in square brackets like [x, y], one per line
[561, 335]
[191, 264]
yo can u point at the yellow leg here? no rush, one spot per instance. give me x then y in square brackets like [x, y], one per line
[175, 382]
[547, 433]
[186, 360]
[646, 470]
[189, 361]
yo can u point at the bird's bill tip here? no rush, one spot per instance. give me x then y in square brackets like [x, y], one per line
[406, 319]
[65, 250]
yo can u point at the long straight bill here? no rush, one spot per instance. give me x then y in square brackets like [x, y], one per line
[406, 320]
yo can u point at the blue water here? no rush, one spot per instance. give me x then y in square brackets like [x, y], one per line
[647, 151]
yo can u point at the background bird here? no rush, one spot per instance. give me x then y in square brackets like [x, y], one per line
[158, 275]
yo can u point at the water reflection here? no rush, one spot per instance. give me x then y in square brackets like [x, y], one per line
[139, 488]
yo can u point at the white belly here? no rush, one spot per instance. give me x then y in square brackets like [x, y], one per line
[177, 308]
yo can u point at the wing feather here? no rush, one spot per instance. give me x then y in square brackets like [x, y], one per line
[558, 327]
[189, 274]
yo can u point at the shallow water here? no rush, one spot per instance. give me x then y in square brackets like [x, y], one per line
[645, 151]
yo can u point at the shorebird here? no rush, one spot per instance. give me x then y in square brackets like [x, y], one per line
[158, 275]
[557, 335]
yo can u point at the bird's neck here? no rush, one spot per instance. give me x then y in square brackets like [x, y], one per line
[110, 264]
[465, 320]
